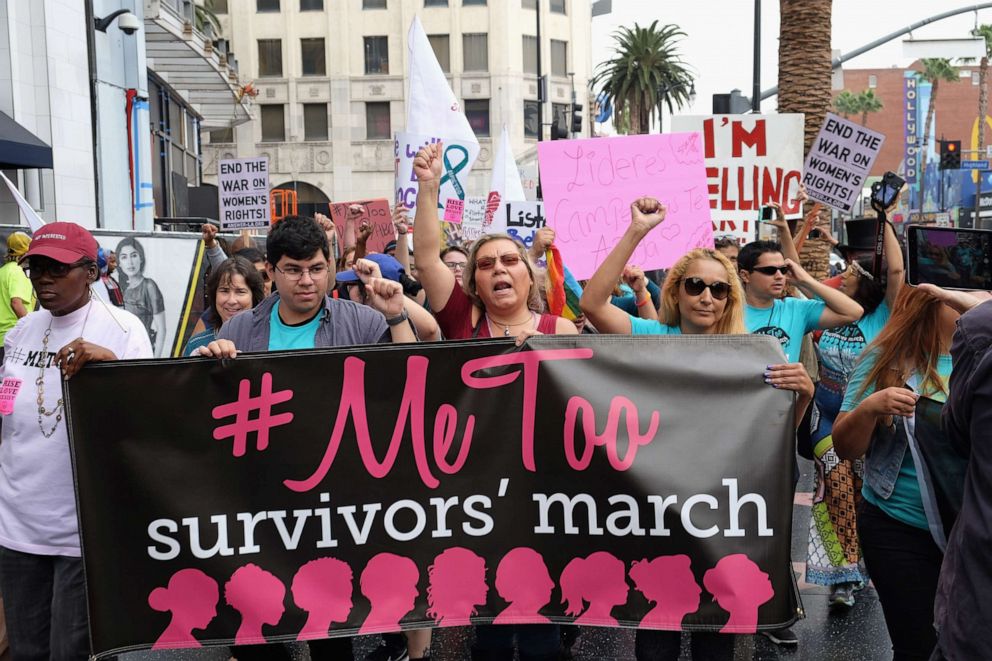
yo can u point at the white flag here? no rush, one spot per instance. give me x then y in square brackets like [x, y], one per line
[30, 215]
[505, 185]
[433, 114]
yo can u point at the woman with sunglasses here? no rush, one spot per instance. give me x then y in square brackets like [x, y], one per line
[41, 571]
[499, 296]
[834, 553]
[700, 296]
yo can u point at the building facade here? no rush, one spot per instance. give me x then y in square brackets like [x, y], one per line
[330, 76]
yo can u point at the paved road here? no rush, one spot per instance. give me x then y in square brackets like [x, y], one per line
[857, 635]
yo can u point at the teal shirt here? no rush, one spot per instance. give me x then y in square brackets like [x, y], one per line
[283, 336]
[906, 502]
[199, 340]
[787, 320]
[640, 326]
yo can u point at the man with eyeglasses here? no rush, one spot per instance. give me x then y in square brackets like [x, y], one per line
[765, 273]
[456, 259]
[300, 315]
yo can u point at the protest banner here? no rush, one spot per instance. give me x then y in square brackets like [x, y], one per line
[292, 500]
[459, 156]
[751, 160]
[243, 190]
[839, 162]
[522, 220]
[589, 185]
[376, 212]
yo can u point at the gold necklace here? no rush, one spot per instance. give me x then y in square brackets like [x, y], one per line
[40, 381]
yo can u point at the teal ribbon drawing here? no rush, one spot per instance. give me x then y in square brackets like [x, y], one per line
[450, 171]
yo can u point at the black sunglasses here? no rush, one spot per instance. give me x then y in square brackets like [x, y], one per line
[696, 286]
[770, 270]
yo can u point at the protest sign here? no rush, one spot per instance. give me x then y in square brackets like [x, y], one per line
[459, 156]
[839, 162]
[376, 212]
[588, 186]
[243, 188]
[522, 220]
[751, 160]
[295, 501]
[453, 210]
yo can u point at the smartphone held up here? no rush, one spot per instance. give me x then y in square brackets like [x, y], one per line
[949, 257]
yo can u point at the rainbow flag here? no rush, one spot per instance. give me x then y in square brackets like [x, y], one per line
[564, 290]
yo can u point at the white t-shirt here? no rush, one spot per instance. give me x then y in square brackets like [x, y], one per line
[37, 500]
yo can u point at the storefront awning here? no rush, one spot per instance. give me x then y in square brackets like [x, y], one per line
[19, 148]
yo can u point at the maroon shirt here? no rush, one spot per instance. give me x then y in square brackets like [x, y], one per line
[455, 319]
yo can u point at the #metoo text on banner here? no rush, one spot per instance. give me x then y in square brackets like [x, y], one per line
[601, 481]
[839, 162]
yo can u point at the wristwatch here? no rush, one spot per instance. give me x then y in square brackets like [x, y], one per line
[398, 319]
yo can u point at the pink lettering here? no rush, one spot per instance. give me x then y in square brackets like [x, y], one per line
[608, 438]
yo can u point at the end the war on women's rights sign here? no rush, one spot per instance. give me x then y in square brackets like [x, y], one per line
[839, 162]
[603, 489]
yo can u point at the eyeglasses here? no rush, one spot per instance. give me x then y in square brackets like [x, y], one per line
[696, 286]
[487, 263]
[36, 269]
[293, 272]
[771, 270]
[456, 266]
[265, 274]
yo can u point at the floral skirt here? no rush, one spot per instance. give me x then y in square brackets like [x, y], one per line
[834, 553]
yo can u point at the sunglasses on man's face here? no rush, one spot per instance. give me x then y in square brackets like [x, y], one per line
[508, 260]
[771, 270]
[696, 286]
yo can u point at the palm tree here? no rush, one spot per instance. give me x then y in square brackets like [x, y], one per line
[203, 15]
[935, 70]
[867, 103]
[804, 71]
[984, 31]
[646, 74]
[847, 104]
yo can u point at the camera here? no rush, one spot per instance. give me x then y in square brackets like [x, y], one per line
[767, 213]
[128, 23]
[885, 192]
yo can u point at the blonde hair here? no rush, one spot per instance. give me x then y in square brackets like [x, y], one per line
[534, 300]
[732, 321]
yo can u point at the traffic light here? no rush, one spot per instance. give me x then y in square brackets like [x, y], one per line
[576, 118]
[559, 126]
[950, 154]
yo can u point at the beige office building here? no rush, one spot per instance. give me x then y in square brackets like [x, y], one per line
[330, 76]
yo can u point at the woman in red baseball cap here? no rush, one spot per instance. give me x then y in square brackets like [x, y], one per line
[40, 562]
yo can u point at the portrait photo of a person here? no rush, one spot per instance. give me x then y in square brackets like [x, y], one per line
[142, 296]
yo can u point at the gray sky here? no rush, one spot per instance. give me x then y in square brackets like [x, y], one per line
[719, 44]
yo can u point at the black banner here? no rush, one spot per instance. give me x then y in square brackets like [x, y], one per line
[608, 481]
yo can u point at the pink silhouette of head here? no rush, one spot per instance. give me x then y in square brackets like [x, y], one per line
[390, 583]
[668, 583]
[740, 587]
[457, 586]
[599, 579]
[522, 579]
[192, 598]
[258, 595]
[322, 587]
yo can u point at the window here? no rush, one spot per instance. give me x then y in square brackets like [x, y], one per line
[312, 54]
[530, 54]
[221, 135]
[315, 121]
[373, 4]
[476, 47]
[435, 3]
[270, 57]
[474, 2]
[220, 6]
[442, 50]
[530, 119]
[377, 121]
[872, 81]
[477, 112]
[311, 5]
[273, 123]
[559, 58]
[528, 4]
[557, 6]
[376, 55]
[266, 5]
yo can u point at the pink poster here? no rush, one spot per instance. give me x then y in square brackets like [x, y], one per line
[374, 211]
[588, 187]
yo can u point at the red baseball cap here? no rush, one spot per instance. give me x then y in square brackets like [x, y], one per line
[63, 242]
